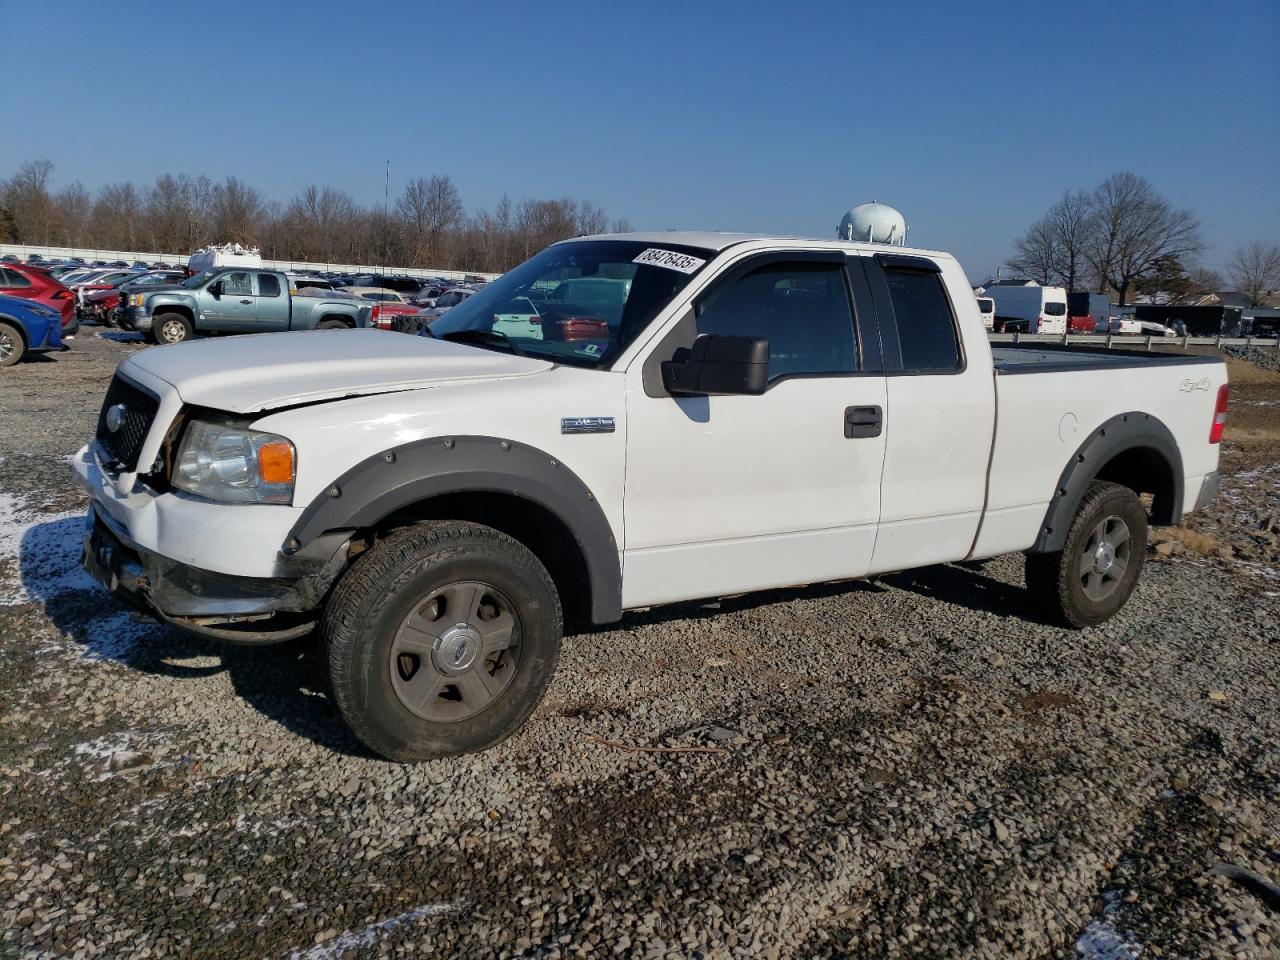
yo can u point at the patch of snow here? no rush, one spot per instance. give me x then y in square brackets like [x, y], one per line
[42, 551]
[45, 550]
[1100, 940]
[351, 940]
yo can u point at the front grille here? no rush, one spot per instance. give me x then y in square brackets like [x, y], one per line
[123, 444]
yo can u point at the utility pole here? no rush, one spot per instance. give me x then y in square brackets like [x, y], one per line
[386, 219]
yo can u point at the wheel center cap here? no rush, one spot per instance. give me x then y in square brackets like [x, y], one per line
[1104, 556]
[457, 649]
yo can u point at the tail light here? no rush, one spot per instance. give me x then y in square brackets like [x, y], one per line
[375, 316]
[583, 328]
[1219, 415]
[61, 295]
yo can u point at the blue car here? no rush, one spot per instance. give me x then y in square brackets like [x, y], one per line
[27, 326]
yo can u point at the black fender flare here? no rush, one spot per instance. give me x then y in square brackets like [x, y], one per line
[402, 476]
[1125, 431]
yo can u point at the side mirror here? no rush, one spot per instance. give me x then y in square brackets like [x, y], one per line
[215, 289]
[718, 365]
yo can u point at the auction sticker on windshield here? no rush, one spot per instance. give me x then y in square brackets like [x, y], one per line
[655, 257]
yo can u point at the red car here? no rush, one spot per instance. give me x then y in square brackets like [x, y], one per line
[35, 283]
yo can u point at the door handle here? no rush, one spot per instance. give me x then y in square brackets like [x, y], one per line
[862, 422]
[246, 301]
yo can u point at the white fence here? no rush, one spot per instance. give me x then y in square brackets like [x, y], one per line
[180, 259]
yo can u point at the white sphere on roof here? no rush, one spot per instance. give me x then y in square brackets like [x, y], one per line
[874, 223]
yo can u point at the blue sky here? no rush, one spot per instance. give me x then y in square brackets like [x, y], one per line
[734, 116]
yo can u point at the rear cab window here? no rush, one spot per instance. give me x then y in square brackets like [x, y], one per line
[926, 324]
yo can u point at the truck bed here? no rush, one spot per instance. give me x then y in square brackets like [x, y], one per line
[1042, 358]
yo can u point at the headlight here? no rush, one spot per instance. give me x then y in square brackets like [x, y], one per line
[135, 299]
[235, 464]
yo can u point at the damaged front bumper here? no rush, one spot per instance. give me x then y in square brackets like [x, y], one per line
[250, 610]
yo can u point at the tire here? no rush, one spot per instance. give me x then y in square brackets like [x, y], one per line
[1091, 577]
[332, 325]
[408, 667]
[72, 328]
[12, 346]
[171, 328]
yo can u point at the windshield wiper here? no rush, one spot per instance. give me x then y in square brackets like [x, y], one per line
[489, 338]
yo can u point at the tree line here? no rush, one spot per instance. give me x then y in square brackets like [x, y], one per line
[426, 226]
[1123, 238]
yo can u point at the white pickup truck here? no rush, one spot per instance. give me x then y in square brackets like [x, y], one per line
[710, 414]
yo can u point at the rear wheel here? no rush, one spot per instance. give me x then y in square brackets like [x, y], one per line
[171, 328]
[72, 328]
[1092, 576]
[11, 345]
[332, 325]
[441, 640]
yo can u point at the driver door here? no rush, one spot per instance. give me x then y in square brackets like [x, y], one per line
[233, 309]
[726, 494]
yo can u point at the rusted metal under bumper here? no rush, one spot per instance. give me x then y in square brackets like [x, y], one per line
[248, 610]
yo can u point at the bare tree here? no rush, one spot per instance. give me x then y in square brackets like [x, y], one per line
[237, 211]
[430, 208]
[117, 216]
[1134, 228]
[73, 207]
[429, 228]
[1072, 222]
[1036, 254]
[26, 196]
[1255, 271]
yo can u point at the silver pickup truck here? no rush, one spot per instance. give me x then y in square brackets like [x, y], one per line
[235, 300]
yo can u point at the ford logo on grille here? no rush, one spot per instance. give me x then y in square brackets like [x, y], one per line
[115, 417]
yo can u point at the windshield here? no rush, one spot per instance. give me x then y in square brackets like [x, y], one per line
[578, 302]
[197, 280]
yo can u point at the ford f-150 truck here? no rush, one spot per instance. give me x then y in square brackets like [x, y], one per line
[234, 300]
[749, 412]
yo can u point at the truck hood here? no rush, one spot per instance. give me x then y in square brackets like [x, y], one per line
[250, 374]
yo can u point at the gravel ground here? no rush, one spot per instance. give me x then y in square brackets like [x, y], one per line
[916, 766]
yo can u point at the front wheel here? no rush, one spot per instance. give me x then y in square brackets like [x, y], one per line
[441, 640]
[171, 328]
[1092, 576]
[11, 346]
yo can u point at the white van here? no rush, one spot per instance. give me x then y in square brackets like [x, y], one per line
[216, 256]
[1032, 309]
[987, 307]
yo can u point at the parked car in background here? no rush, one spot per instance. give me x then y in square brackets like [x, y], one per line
[102, 305]
[987, 307]
[27, 326]
[82, 288]
[306, 282]
[407, 286]
[445, 302]
[33, 283]
[387, 305]
[237, 301]
[1032, 309]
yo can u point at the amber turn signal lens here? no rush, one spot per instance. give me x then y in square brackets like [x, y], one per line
[275, 462]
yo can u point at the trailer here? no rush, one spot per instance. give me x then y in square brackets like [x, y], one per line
[1205, 321]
